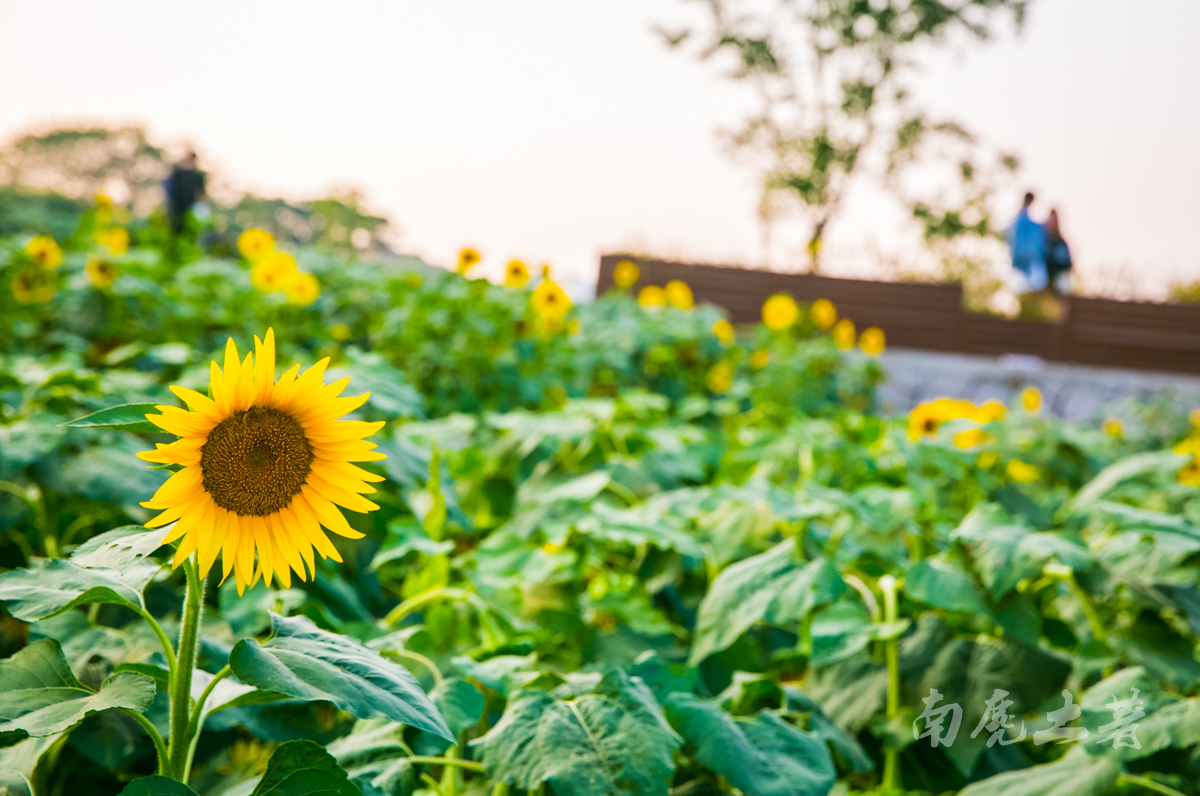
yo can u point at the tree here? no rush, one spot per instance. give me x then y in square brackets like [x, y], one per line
[835, 106]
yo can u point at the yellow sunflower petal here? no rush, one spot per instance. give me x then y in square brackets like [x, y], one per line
[328, 514]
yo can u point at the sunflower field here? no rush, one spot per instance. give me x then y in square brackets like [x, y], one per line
[287, 523]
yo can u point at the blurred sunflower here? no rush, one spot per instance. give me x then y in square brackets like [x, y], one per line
[104, 208]
[33, 286]
[779, 312]
[723, 330]
[1031, 400]
[549, 301]
[1022, 472]
[44, 251]
[926, 419]
[824, 314]
[626, 274]
[115, 239]
[844, 334]
[1114, 427]
[872, 341]
[971, 438]
[652, 296]
[274, 272]
[340, 332]
[516, 274]
[266, 463]
[102, 273]
[760, 358]
[468, 258]
[989, 411]
[720, 377]
[255, 244]
[678, 294]
[303, 289]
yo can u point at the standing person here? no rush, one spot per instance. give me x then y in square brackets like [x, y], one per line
[185, 187]
[1058, 256]
[1027, 241]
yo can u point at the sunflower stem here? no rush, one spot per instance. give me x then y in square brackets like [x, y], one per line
[193, 730]
[469, 765]
[181, 678]
[891, 761]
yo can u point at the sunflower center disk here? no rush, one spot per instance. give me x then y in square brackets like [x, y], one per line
[255, 461]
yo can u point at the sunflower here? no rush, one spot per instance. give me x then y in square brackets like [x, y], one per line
[549, 301]
[303, 289]
[824, 314]
[678, 294]
[779, 312]
[516, 274]
[652, 296]
[32, 286]
[255, 244]
[720, 377]
[468, 258]
[989, 411]
[927, 418]
[971, 438]
[273, 272]
[872, 341]
[104, 208]
[626, 274]
[44, 251]
[1114, 427]
[265, 465]
[1031, 400]
[1022, 472]
[844, 334]
[102, 273]
[760, 358]
[723, 330]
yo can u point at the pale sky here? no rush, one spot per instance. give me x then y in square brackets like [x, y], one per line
[555, 130]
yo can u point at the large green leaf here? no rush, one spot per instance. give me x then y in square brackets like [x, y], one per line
[938, 582]
[307, 663]
[375, 755]
[127, 417]
[52, 586]
[612, 740]
[460, 704]
[304, 768]
[637, 527]
[763, 756]
[157, 786]
[1126, 468]
[1076, 774]
[119, 548]
[14, 783]
[774, 587]
[40, 696]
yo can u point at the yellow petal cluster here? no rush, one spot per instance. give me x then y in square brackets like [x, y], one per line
[101, 273]
[652, 296]
[723, 330]
[44, 252]
[872, 341]
[824, 314]
[468, 258]
[780, 312]
[255, 244]
[626, 274]
[720, 377]
[265, 465]
[678, 294]
[516, 274]
[844, 334]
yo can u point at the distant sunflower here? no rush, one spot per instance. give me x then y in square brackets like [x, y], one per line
[626, 273]
[779, 312]
[102, 273]
[33, 286]
[652, 296]
[468, 258]
[516, 274]
[303, 290]
[265, 463]
[678, 294]
[549, 301]
[44, 251]
[844, 334]
[255, 244]
[273, 272]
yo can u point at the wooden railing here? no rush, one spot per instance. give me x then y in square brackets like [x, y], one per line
[1100, 332]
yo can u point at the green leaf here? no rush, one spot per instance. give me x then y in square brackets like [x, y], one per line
[52, 586]
[307, 663]
[119, 548]
[459, 702]
[636, 526]
[774, 587]
[937, 582]
[763, 756]
[160, 675]
[14, 783]
[1076, 774]
[157, 786]
[39, 696]
[374, 754]
[250, 613]
[613, 740]
[304, 768]
[127, 417]
[1114, 474]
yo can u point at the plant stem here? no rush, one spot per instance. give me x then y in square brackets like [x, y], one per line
[501, 789]
[486, 624]
[193, 730]
[450, 776]
[469, 765]
[1148, 784]
[181, 678]
[164, 761]
[891, 650]
[168, 650]
[416, 657]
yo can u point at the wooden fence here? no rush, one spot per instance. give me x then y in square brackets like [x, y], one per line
[1100, 332]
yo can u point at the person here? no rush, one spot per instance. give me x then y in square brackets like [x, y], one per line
[1058, 256]
[185, 187]
[1027, 241]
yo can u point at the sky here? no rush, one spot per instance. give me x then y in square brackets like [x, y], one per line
[555, 131]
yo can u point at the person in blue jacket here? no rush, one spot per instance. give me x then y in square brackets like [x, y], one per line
[1058, 256]
[1027, 241]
